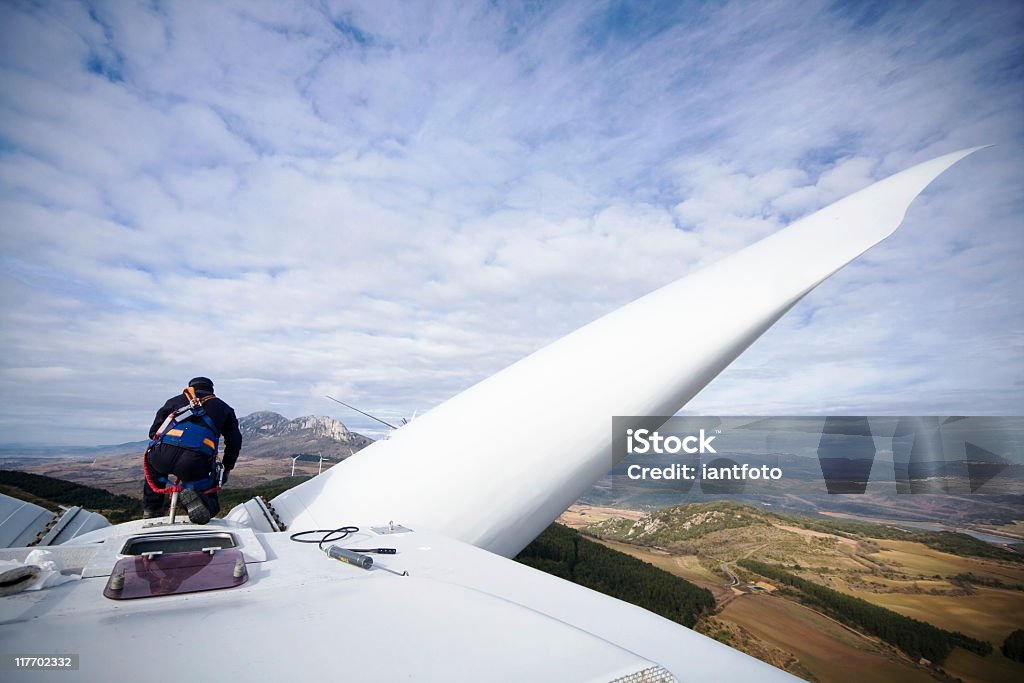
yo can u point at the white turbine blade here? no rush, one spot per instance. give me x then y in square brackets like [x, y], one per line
[497, 463]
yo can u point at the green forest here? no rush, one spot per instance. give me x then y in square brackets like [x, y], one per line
[914, 637]
[563, 552]
[1013, 646]
[50, 493]
[231, 496]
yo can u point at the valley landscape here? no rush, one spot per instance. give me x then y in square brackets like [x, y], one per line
[766, 574]
[975, 590]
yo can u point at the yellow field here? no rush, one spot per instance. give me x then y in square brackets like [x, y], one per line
[683, 566]
[807, 535]
[889, 585]
[917, 559]
[989, 614]
[825, 648]
[977, 669]
[579, 515]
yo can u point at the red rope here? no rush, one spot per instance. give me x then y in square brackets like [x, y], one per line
[172, 488]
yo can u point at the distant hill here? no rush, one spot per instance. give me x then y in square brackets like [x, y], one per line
[267, 434]
[681, 526]
[669, 526]
[264, 433]
[269, 442]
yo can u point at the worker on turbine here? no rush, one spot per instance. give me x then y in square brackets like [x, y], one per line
[183, 442]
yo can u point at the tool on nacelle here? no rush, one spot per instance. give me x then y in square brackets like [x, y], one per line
[349, 557]
[353, 556]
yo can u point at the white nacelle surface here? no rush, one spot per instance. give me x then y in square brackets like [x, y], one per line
[461, 614]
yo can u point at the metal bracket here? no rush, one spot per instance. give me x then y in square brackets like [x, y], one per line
[391, 528]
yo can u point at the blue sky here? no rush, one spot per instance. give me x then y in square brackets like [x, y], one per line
[390, 202]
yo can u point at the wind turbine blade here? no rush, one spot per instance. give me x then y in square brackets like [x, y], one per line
[497, 463]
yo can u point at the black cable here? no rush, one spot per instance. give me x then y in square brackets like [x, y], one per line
[328, 535]
[331, 535]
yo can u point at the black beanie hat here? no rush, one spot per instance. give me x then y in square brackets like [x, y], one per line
[201, 383]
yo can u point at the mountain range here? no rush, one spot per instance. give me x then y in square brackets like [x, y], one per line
[267, 434]
[269, 442]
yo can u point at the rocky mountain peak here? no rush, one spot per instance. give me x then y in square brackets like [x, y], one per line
[325, 427]
[266, 424]
[262, 423]
[266, 433]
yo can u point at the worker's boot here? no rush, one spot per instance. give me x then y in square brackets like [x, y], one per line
[197, 511]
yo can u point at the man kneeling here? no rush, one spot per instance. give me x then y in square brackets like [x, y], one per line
[183, 442]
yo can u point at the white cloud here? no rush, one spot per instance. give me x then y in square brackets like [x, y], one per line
[389, 204]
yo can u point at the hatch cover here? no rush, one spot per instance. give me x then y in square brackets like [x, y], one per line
[175, 574]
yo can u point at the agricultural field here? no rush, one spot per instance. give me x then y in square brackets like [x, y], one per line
[913, 559]
[828, 650]
[578, 516]
[981, 597]
[986, 613]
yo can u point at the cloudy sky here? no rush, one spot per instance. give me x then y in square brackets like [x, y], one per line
[388, 203]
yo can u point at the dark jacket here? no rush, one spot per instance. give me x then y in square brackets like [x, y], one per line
[222, 415]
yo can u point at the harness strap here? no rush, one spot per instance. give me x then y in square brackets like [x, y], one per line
[196, 401]
[177, 425]
[173, 488]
